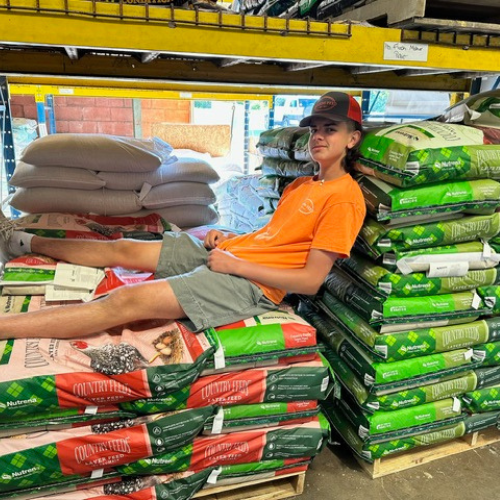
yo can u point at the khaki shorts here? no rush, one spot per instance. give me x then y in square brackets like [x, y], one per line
[209, 299]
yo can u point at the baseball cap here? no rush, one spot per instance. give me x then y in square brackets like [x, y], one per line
[334, 105]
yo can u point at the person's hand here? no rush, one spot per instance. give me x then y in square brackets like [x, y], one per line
[221, 261]
[213, 238]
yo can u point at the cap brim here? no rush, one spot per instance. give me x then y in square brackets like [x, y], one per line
[305, 122]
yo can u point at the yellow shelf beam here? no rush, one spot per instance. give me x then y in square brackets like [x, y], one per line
[127, 93]
[146, 28]
[49, 68]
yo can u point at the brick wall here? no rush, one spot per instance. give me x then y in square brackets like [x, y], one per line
[161, 110]
[105, 115]
[94, 115]
[23, 106]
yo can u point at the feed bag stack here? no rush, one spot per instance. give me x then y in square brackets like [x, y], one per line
[309, 9]
[152, 408]
[285, 157]
[239, 204]
[409, 319]
[111, 175]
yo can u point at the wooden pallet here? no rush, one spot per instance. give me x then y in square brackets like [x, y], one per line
[274, 488]
[413, 14]
[420, 456]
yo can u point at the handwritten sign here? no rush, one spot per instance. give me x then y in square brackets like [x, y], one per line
[397, 51]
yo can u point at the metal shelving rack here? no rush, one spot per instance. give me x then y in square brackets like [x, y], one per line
[88, 47]
[150, 47]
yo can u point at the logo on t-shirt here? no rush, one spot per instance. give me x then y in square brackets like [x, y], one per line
[307, 207]
[267, 235]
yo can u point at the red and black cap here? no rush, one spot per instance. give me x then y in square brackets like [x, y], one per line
[334, 105]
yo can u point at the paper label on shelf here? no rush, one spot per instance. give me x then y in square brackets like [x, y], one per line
[397, 51]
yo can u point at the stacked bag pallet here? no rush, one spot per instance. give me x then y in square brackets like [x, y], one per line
[156, 399]
[411, 319]
[151, 410]
[111, 175]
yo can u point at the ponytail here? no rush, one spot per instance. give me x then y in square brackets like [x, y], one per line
[353, 154]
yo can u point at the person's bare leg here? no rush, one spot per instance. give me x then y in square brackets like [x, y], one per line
[150, 300]
[130, 254]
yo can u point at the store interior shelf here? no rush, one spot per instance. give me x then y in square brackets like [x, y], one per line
[78, 42]
[460, 16]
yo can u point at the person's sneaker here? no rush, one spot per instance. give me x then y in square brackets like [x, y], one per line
[7, 227]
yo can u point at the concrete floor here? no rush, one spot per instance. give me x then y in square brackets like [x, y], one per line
[475, 474]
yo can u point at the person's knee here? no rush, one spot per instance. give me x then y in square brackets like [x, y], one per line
[118, 300]
[122, 251]
[155, 299]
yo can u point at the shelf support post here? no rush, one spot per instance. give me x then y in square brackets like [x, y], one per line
[49, 100]
[6, 135]
[246, 139]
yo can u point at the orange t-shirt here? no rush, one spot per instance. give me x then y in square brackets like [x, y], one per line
[310, 214]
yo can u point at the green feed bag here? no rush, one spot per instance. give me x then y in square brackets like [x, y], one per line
[386, 202]
[376, 239]
[413, 340]
[382, 281]
[279, 142]
[287, 168]
[418, 153]
[380, 310]
[443, 261]
[383, 425]
[371, 452]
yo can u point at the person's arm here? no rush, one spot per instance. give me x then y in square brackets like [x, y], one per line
[306, 280]
[214, 237]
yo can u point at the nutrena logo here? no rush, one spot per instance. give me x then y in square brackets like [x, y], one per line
[325, 104]
[18, 474]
